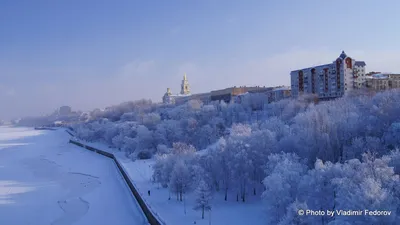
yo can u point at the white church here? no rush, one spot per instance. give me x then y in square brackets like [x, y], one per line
[170, 98]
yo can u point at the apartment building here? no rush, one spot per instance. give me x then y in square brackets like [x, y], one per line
[329, 80]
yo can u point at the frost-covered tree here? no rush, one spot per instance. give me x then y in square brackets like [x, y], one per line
[203, 198]
[163, 169]
[262, 144]
[370, 184]
[292, 216]
[318, 191]
[392, 136]
[180, 181]
[118, 141]
[394, 160]
[224, 159]
[144, 139]
[163, 149]
[151, 120]
[129, 145]
[284, 172]
[180, 148]
[305, 152]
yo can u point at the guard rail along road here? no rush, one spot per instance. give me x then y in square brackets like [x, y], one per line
[152, 219]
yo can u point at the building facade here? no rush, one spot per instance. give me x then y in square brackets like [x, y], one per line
[182, 97]
[394, 80]
[270, 94]
[232, 94]
[65, 110]
[204, 97]
[329, 80]
[227, 94]
[168, 97]
[280, 93]
[185, 88]
[378, 82]
[382, 81]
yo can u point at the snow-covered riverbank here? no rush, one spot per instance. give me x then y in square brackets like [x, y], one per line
[174, 212]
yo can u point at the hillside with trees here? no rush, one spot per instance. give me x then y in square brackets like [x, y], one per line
[294, 154]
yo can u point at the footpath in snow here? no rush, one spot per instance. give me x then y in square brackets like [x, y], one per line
[173, 212]
[44, 180]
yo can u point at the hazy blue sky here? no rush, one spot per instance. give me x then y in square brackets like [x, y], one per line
[93, 53]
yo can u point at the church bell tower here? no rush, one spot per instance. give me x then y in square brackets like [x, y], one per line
[185, 89]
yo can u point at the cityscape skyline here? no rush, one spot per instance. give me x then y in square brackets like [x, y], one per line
[55, 54]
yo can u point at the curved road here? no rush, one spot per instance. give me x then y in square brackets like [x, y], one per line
[46, 181]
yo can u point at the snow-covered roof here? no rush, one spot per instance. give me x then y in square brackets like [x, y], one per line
[242, 94]
[282, 89]
[360, 63]
[378, 76]
[180, 95]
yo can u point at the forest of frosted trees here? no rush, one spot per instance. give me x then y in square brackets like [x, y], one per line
[293, 154]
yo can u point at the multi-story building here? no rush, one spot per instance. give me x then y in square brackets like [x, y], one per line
[232, 93]
[227, 94]
[394, 80]
[382, 81]
[268, 95]
[378, 82]
[329, 80]
[280, 93]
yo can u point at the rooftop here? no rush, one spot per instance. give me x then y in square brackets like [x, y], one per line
[343, 55]
[360, 63]
[324, 65]
[180, 95]
[378, 76]
[283, 88]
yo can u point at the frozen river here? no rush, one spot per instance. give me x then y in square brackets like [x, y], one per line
[44, 180]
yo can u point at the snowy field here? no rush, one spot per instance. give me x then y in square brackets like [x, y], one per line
[172, 212]
[45, 180]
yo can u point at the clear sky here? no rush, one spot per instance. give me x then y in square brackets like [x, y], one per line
[93, 53]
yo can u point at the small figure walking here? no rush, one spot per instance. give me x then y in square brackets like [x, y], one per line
[148, 192]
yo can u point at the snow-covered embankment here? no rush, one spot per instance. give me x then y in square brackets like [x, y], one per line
[151, 216]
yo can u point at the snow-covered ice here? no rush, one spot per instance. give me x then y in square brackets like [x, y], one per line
[46, 180]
